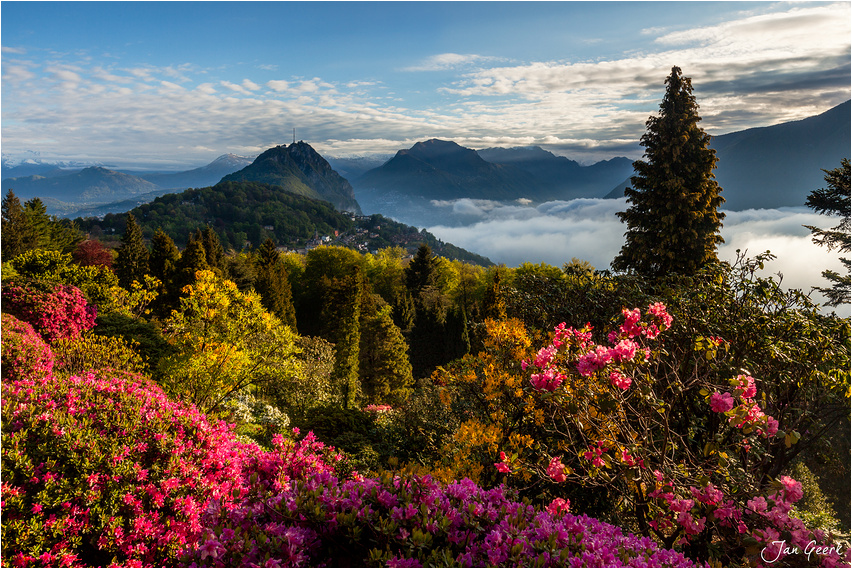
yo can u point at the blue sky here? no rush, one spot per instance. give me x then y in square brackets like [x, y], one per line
[175, 84]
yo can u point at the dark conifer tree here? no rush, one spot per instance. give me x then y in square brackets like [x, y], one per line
[18, 236]
[192, 259]
[383, 361]
[834, 200]
[163, 264]
[273, 284]
[673, 223]
[212, 249]
[131, 264]
[494, 302]
[341, 325]
[420, 272]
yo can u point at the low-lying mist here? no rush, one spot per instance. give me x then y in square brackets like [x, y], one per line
[588, 229]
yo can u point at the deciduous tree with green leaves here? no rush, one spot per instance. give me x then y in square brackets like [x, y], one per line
[673, 223]
[225, 342]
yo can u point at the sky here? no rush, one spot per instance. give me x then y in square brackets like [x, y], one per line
[173, 85]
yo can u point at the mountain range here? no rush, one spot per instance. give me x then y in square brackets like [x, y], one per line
[96, 190]
[424, 185]
[418, 185]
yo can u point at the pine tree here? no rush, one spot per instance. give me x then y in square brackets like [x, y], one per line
[834, 200]
[673, 223]
[131, 264]
[273, 284]
[420, 272]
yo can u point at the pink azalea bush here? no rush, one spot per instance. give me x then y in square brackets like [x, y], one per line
[25, 354]
[735, 519]
[413, 521]
[55, 311]
[104, 470]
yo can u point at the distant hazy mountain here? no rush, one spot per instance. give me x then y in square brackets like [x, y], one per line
[96, 190]
[200, 177]
[778, 166]
[93, 184]
[353, 167]
[558, 177]
[407, 186]
[300, 170]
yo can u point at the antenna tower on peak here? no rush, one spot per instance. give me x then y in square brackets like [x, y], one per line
[294, 136]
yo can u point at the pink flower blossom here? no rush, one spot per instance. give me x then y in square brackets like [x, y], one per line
[556, 470]
[721, 402]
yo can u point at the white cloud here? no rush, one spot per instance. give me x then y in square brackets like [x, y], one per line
[250, 85]
[14, 50]
[588, 229]
[278, 85]
[444, 61]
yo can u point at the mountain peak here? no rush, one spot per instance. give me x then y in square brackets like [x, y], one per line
[300, 169]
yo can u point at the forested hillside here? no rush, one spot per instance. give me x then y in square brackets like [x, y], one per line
[245, 214]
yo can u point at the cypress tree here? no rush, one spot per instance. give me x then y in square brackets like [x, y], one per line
[212, 249]
[494, 302]
[383, 361]
[673, 223]
[273, 284]
[131, 264]
[420, 272]
[163, 264]
[340, 317]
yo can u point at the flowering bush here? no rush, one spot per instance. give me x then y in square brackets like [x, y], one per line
[412, 522]
[102, 470]
[55, 311]
[25, 354]
[619, 431]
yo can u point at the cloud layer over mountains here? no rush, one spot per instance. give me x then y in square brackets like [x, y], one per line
[763, 65]
[588, 229]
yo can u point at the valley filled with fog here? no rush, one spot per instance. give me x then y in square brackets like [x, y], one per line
[588, 229]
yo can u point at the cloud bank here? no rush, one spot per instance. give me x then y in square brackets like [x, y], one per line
[753, 70]
[588, 229]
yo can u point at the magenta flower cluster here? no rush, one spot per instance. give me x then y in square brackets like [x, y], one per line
[413, 522]
[25, 354]
[593, 358]
[101, 470]
[61, 312]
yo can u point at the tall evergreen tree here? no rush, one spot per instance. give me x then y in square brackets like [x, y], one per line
[192, 260]
[212, 248]
[673, 223]
[420, 272]
[131, 264]
[383, 360]
[163, 264]
[273, 284]
[18, 236]
[834, 200]
[340, 316]
[494, 302]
